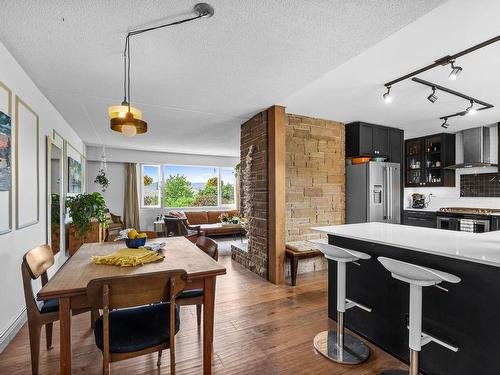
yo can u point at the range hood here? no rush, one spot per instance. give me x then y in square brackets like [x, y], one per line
[476, 149]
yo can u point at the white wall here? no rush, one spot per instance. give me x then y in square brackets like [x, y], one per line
[116, 159]
[13, 245]
[450, 196]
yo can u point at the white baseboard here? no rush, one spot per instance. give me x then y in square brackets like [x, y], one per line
[11, 331]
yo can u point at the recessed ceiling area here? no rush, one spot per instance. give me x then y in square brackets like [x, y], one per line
[197, 82]
[354, 90]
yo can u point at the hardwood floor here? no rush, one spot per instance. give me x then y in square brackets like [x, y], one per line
[260, 328]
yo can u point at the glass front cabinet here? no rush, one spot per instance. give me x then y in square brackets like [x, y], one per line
[427, 159]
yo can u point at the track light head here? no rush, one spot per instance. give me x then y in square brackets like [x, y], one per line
[470, 110]
[432, 97]
[455, 71]
[387, 96]
[445, 124]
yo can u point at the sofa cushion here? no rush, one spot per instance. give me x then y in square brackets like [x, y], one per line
[196, 217]
[213, 216]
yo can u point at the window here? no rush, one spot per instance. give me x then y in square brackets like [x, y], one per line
[187, 186]
[227, 185]
[151, 186]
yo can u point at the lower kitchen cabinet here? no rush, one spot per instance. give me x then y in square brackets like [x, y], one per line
[415, 218]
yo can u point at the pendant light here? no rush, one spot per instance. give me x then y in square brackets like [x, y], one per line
[126, 119]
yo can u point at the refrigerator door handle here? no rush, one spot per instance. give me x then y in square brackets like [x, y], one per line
[385, 173]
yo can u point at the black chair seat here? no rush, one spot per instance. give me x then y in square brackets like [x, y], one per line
[52, 305]
[191, 293]
[138, 328]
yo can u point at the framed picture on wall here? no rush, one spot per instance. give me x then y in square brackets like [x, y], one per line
[74, 176]
[5, 152]
[5, 159]
[27, 165]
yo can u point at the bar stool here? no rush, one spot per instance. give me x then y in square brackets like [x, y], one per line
[337, 346]
[417, 277]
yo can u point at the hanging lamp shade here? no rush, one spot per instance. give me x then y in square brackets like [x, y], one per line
[128, 125]
[122, 109]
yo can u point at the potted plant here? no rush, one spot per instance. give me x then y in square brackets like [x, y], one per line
[102, 179]
[83, 209]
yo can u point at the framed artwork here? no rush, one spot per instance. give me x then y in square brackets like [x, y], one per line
[5, 152]
[5, 159]
[74, 176]
[27, 165]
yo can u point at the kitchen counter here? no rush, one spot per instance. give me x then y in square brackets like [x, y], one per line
[474, 247]
[420, 209]
[465, 315]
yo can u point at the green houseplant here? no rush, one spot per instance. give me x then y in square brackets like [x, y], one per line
[83, 208]
[102, 179]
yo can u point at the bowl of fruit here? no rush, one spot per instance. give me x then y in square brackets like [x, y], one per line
[135, 239]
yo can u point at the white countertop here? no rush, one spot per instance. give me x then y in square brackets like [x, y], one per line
[474, 247]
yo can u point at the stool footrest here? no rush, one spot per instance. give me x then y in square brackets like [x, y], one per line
[426, 338]
[350, 303]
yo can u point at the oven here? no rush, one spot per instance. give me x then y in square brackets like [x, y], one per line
[464, 222]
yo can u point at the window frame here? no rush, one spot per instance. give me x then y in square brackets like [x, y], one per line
[160, 174]
[162, 166]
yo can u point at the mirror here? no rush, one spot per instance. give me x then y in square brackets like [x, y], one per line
[55, 196]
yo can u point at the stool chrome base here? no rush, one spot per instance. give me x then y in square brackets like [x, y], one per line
[353, 351]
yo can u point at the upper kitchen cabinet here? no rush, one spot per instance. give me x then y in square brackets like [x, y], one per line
[364, 139]
[427, 159]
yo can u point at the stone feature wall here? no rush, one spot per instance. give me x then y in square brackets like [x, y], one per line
[315, 180]
[254, 255]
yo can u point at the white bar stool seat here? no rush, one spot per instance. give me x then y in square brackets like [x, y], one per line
[335, 345]
[418, 277]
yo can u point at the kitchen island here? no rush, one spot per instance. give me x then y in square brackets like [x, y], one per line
[467, 316]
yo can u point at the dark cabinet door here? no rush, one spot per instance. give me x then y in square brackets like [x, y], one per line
[365, 139]
[396, 145]
[381, 141]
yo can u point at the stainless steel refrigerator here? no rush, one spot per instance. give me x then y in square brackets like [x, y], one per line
[373, 193]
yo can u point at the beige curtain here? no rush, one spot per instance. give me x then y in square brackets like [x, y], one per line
[131, 204]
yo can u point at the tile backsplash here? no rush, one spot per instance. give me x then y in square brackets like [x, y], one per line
[480, 185]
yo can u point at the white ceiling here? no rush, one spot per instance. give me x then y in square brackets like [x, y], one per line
[197, 82]
[353, 91]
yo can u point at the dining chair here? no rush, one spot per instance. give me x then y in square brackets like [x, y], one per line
[176, 227]
[151, 235]
[139, 315]
[35, 264]
[195, 296]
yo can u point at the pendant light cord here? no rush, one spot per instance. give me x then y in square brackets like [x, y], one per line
[126, 52]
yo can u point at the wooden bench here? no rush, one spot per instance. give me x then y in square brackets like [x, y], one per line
[299, 250]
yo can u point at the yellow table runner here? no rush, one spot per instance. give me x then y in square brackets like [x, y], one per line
[128, 257]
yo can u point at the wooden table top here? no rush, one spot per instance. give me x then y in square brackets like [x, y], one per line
[72, 278]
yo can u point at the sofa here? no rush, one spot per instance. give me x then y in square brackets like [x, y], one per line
[209, 222]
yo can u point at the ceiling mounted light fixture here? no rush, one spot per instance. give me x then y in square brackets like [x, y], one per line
[387, 96]
[470, 109]
[445, 124]
[455, 71]
[124, 118]
[432, 97]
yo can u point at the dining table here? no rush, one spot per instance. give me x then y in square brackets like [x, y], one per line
[69, 285]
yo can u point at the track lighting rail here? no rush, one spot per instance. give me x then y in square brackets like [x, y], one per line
[449, 59]
[470, 99]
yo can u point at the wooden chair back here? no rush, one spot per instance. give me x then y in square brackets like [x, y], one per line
[209, 246]
[136, 290]
[35, 264]
[38, 260]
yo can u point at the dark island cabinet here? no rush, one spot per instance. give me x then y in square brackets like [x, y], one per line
[427, 159]
[364, 139]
